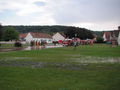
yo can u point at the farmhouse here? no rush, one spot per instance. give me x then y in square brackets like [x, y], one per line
[58, 37]
[109, 36]
[33, 36]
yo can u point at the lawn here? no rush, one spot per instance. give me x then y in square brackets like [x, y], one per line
[84, 68]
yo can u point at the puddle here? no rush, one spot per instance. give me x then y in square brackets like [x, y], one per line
[80, 65]
[41, 47]
[91, 59]
[41, 65]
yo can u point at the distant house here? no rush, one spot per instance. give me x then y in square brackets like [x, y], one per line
[108, 36]
[58, 37]
[119, 36]
[33, 36]
[23, 36]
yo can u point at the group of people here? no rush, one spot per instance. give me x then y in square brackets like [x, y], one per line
[38, 43]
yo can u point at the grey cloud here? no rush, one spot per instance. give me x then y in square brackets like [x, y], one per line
[87, 11]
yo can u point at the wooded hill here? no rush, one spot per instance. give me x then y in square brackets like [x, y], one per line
[43, 29]
[69, 31]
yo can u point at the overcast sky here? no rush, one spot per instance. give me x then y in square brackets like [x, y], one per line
[90, 14]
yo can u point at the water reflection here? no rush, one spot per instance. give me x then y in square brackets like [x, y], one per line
[28, 48]
[34, 48]
[40, 47]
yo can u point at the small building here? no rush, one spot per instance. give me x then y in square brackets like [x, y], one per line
[58, 36]
[119, 36]
[34, 36]
[119, 39]
[109, 36]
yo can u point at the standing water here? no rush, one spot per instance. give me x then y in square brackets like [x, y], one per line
[28, 48]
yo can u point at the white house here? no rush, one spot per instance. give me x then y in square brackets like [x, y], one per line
[58, 36]
[119, 39]
[32, 36]
[107, 36]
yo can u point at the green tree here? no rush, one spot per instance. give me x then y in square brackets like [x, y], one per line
[10, 33]
[81, 33]
[1, 33]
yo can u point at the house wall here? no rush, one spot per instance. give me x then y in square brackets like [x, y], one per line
[29, 38]
[48, 40]
[119, 39]
[104, 38]
[58, 37]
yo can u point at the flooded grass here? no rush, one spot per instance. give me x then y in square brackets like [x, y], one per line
[91, 59]
[86, 68]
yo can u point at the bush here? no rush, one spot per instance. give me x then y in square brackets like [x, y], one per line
[32, 43]
[18, 44]
[99, 40]
[55, 42]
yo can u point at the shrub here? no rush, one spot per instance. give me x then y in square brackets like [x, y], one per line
[99, 40]
[18, 44]
[32, 43]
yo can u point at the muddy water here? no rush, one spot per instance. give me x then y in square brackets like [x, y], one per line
[41, 65]
[57, 65]
[27, 48]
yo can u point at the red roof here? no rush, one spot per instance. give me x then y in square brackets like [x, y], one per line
[23, 35]
[36, 35]
[40, 35]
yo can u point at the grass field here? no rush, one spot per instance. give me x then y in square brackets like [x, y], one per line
[84, 68]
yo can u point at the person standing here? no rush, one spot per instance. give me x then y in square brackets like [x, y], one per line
[75, 43]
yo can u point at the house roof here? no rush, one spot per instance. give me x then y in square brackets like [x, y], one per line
[23, 35]
[62, 34]
[36, 35]
[40, 35]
